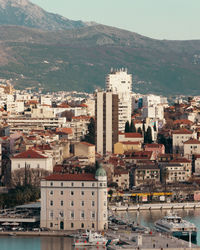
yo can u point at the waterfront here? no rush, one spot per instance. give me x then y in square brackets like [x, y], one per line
[147, 218]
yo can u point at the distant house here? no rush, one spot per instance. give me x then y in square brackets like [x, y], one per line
[85, 149]
[191, 147]
[155, 148]
[132, 137]
[31, 159]
[127, 146]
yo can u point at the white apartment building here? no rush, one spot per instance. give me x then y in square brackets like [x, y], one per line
[74, 201]
[153, 112]
[150, 100]
[106, 116]
[120, 82]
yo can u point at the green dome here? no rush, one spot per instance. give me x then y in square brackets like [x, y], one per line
[100, 172]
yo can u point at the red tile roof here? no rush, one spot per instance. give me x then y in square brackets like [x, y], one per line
[180, 160]
[63, 105]
[71, 177]
[192, 141]
[31, 154]
[130, 142]
[87, 143]
[153, 145]
[131, 135]
[183, 121]
[182, 131]
[64, 130]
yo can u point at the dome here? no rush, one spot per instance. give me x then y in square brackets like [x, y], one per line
[100, 172]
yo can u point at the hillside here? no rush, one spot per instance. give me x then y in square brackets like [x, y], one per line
[24, 13]
[79, 59]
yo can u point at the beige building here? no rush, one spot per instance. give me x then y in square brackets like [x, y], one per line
[191, 147]
[84, 149]
[74, 201]
[179, 137]
[121, 177]
[122, 147]
[106, 117]
[132, 137]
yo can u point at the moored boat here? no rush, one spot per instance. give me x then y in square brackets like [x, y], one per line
[177, 227]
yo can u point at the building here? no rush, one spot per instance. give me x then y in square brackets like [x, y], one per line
[31, 159]
[127, 146]
[157, 149]
[85, 149]
[191, 147]
[131, 137]
[74, 201]
[106, 116]
[179, 137]
[120, 82]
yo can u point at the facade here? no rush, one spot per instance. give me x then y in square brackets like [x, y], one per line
[31, 159]
[127, 146]
[121, 177]
[120, 82]
[178, 139]
[106, 116]
[131, 137]
[84, 149]
[191, 147]
[74, 201]
[157, 149]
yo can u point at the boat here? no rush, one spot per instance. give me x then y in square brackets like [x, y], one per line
[91, 239]
[177, 227]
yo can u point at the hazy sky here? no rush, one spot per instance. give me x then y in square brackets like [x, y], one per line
[162, 19]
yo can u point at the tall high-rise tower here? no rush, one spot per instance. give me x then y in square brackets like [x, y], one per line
[120, 82]
[106, 116]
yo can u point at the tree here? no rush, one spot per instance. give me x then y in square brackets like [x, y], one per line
[154, 127]
[127, 127]
[139, 130]
[90, 136]
[148, 135]
[132, 128]
[143, 126]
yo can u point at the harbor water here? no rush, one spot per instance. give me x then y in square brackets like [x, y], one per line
[146, 218]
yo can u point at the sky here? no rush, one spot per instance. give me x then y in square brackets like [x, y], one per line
[160, 19]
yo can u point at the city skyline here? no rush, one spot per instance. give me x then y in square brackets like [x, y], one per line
[172, 19]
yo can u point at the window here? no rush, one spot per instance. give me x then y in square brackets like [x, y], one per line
[51, 203]
[72, 203]
[82, 184]
[51, 214]
[92, 225]
[92, 193]
[93, 203]
[93, 214]
[51, 183]
[61, 214]
[72, 225]
[61, 184]
[61, 203]
[18, 165]
[38, 165]
[93, 184]
[72, 215]
[82, 215]
[51, 192]
[82, 192]
[82, 203]
[51, 224]
[72, 192]
[61, 192]
[82, 225]
[72, 184]
[101, 184]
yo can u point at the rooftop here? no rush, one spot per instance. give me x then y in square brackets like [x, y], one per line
[29, 154]
[71, 177]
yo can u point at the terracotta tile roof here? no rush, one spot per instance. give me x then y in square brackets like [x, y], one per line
[131, 135]
[130, 142]
[182, 131]
[64, 130]
[63, 105]
[83, 105]
[87, 143]
[183, 121]
[81, 117]
[153, 145]
[32, 154]
[192, 141]
[71, 177]
[180, 160]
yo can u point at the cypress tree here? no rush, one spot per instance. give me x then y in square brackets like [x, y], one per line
[154, 127]
[149, 135]
[139, 130]
[132, 127]
[90, 136]
[127, 127]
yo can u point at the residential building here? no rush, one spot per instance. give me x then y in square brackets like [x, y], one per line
[85, 149]
[178, 139]
[121, 177]
[120, 82]
[127, 146]
[131, 137]
[191, 147]
[157, 149]
[106, 116]
[85, 206]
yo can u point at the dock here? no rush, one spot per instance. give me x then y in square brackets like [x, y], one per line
[157, 206]
[154, 241]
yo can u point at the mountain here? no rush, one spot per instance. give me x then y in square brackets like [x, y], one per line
[24, 13]
[78, 57]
